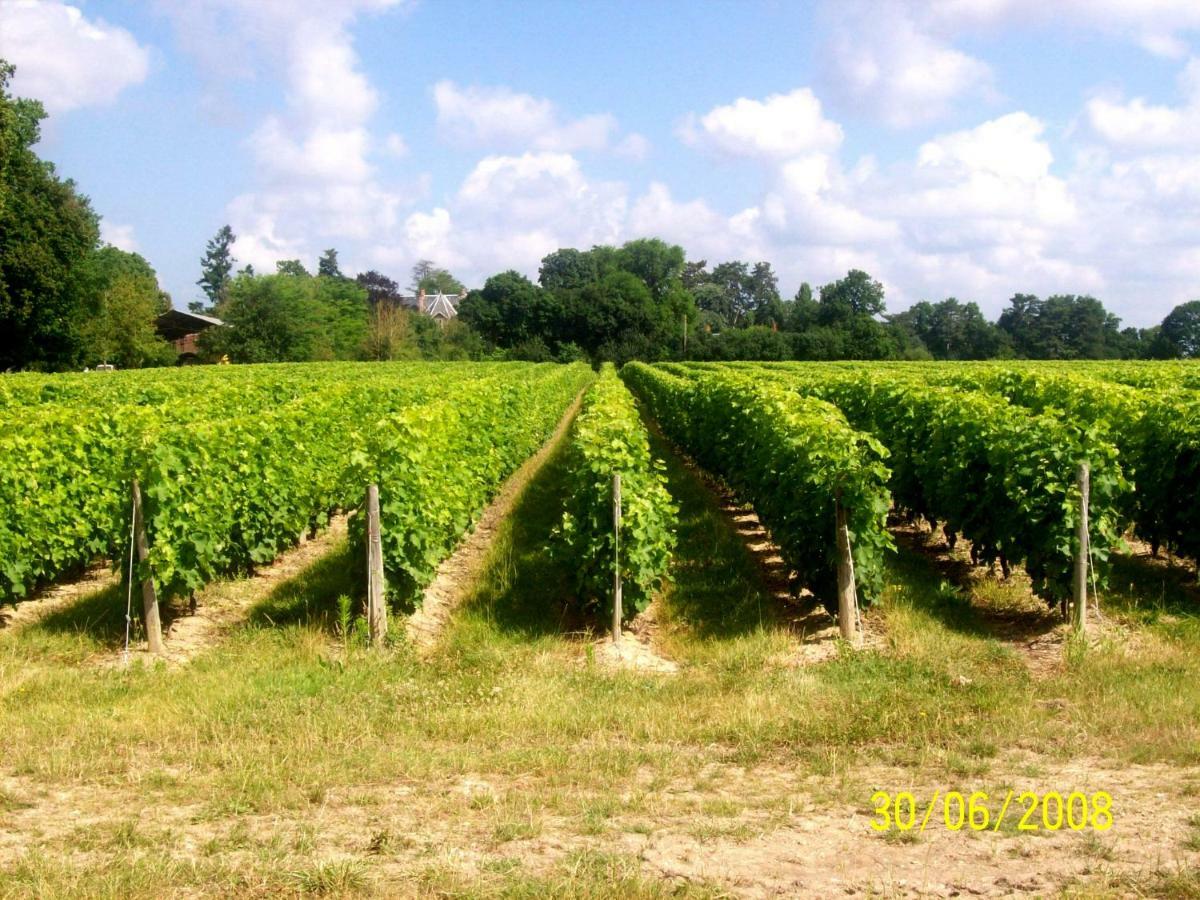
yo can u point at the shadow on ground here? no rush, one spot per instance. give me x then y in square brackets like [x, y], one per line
[310, 597]
[965, 598]
[524, 590]
[717, 587]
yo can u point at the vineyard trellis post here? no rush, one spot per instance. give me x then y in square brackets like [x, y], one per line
[376, 607]
[1079, 588]
[150, 616]
[616, 623]
[847, 592]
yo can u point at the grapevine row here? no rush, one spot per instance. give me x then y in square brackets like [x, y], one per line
[607, 439]
[999, 474]
[792, 458]
[224, 491]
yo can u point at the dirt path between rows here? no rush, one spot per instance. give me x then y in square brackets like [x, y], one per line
[1016, 617]
[456, 576]
[55, 597]
[803, 615]
[223, 605]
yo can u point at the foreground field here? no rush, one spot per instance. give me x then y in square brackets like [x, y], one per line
[520, 758]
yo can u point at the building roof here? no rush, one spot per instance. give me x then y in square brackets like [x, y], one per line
[176, 323]
[441, 306]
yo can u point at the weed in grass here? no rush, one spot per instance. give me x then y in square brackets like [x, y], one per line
[11, 803]
[519, 826]
[332, 878]
[1192, 841]
[896, 836]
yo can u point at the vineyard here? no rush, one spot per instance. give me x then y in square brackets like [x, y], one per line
[234, 467]
[931, 572]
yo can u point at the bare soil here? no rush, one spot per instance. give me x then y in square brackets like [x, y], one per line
[223, 605]
[636, 650]
[801, 612]
[766, 831]
[54, 597]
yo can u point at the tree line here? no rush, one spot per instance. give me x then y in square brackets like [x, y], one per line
[294, 315]
[645, 300]
[67, 300]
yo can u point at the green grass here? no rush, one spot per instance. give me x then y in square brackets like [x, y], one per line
[284, 722]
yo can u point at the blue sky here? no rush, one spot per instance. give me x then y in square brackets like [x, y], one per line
[969, 148]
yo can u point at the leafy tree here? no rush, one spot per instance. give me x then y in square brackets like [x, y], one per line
[391, 334]
[380, 289]
[421, 270]
[611, 311]
[695, 274]
[1064, 326]
[327, 265]
[857, 295]
[567, 269]
[1137, 343]
[122, 331]
[47, 230]
[805, 311]
[427, 276]
[265, 321]
[292, 267]
[746, 291]
[951, 330]
[714, 301]
[439, 281]
[658, 264]
[1180, 330]
[754, 342]
[508, 310]
[215, 267]
[291, 318]
[733, 278]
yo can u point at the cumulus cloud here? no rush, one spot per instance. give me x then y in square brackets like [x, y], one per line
[495, 117]
[882, 63]
[65, 59]
[317, 182]
[779, 127]
[1156, 25]
[510, 211]
[1139, 124]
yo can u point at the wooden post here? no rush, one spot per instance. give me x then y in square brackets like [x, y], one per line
[150, 617]
[376, 607]
[1080, 590]
[847, 593]
[616, 626]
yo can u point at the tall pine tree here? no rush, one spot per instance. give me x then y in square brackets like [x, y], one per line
[215, 266]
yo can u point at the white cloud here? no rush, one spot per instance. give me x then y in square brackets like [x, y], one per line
[781, 126]
[120, 236]
[497, 118]
[65, 59]
[1154, 24]
[1140, 125]
[1009, 147]
[881, 62]
[317, 185]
